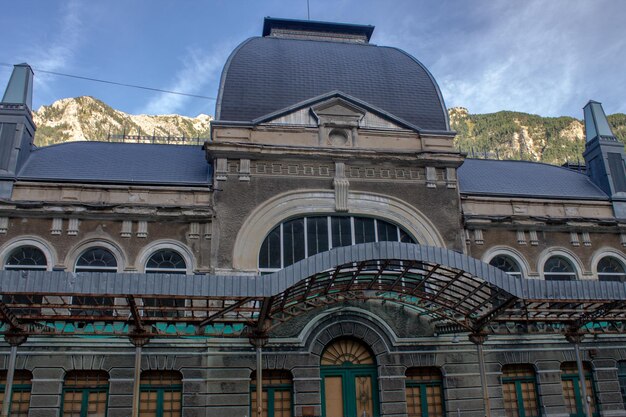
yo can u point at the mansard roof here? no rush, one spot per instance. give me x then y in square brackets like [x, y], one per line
[120, 163]
[525, 179]
[267, 74]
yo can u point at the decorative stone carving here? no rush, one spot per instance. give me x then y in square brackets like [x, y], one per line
[586, 238]
[341, 185]
[72, 227]
[622, 238]
[431, 177]
[127, 228]
[451, 177]
[4, 224]
[194, 230]
[244, 170]
[142, 229]
[57, 226]
[534, 239]
[573, 239]
[221, 169]
[521, 237]
[208, 232]
[478, 237]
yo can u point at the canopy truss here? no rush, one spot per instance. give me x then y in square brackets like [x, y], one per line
[455, 292]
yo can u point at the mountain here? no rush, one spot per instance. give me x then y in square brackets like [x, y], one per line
[514, 135]
[503, 135]
[87, 118]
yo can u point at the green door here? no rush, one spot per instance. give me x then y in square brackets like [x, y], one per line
[349, 381]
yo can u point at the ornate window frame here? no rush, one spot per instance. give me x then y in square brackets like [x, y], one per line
[147, 251]
[74, 253]
[562, 252]
[510, 252]
[47, 249]
[291, 204]
[603, 253]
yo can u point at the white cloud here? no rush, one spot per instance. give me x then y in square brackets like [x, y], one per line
[197, 71]
[58, 53]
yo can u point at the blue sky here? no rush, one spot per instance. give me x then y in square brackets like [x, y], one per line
[544, 57]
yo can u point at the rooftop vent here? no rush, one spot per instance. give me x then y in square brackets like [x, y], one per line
[596, 123]
[313, 30]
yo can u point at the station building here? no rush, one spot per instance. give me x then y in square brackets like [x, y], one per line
[328, 250]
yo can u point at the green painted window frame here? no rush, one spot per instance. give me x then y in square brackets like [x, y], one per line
[578, 395]
[85, 391]
[423, 385]
[160, 390]
[16, 388]
[518, 381]
[270, 389]
[349, 372]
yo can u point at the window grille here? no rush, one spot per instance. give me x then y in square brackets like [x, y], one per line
[519, 388]
[611, 269]
[26, 258]
[424, 392]
[559, 268]
[85, 394]
[299, 238]
[506, 264]
[277, 393]
[20, 398]
[574, 400]
[161, 394]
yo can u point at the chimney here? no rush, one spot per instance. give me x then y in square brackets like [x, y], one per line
[17, 129]
[605, 157]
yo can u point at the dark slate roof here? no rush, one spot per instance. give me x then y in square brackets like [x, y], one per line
[525, 179]
[265, 75]
[127, 163]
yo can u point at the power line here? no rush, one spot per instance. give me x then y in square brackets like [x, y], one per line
[116, 83]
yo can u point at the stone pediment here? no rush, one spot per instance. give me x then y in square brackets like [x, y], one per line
[332, 111]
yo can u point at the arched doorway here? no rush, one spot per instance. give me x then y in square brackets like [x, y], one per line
[349, 380]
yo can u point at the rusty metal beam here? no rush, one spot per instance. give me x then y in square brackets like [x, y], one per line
[426, 278]
[222, 312]
[8, 316]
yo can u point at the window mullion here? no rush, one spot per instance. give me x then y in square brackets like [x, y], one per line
[520, 398]
[306, 238]
[352, 233]
[282, 249]
[330, 232]
[423, 400]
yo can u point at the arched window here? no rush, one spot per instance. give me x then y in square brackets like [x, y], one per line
[26, 258]
[519, 388]
[297, 239]
[424, 392]
[571, 389]
[611, 269]
[85, 393]
[96, 259]
[277, 393]
[161, 394]
[559, 268]
[166, 261]
[20, 397]
[507, 264]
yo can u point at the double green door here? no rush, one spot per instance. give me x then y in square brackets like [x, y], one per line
[349, 391]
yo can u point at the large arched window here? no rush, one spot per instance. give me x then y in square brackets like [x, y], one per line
[611, 269]
[297, 239]
[559, 268]
[96, 259]
[166, 261]
[506, 264]
[26, 258]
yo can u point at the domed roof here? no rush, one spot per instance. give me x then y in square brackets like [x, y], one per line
[267, 74]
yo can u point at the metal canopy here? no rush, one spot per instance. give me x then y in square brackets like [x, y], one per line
[457, 293]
